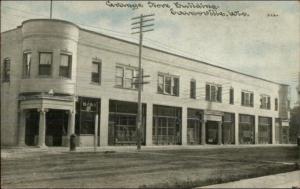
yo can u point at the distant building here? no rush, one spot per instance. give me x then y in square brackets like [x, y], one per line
[56, 76]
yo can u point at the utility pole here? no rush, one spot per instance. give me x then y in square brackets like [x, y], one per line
[139, 24]
[50, 9]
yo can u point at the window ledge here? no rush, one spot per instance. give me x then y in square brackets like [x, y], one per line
[265, 109]
[247, 106]
[213, 101]
[44, 77]
[65, 78]
[131, 89]
[95, 83]
[167, 94]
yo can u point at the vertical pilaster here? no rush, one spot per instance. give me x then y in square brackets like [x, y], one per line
[22, 127]
[203, 131]
[149, 124]
[220, 132]
[184, 126]
[104, 121]
[273, 130]
[256, 129]
[236, 129]
[71, 123]
[42, 128]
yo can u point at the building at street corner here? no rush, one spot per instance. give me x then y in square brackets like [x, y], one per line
[56, 76]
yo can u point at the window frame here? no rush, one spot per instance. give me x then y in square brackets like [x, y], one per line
[69, 67]
[193, 87]
[265, 102]
[27, 67]
[99, 64]
[276, 104]
[123, 78]
[213, 92]
[248, 97]
[231, 95]
[174, 84]
[50, 65]
[6, 69]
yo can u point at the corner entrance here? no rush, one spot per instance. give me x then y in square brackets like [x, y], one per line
[56, 127]
[31, 127]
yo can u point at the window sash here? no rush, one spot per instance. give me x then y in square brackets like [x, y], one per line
[45, 64]
[175, 86]
[26, 64]
[6, 70]
[160, 86]
[65, 66]
[125, 77]
[213, 93]
[168, 83]
[96, 72]
[193, 89]
[247, 99]
[231, 96]
[265, 102]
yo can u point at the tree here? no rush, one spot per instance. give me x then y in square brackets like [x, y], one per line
[295, 124]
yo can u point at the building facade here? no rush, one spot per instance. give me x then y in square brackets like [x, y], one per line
[56, 76]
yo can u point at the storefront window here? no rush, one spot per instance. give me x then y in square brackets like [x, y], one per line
[87, 109]
[264, 130]
[246, 129]
[166, 125]
[122, 123]
[228, 128]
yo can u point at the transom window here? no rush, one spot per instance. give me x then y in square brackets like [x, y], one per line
[247, 98]
[168, 84]
[126, 77]
[45, 64]
[65, 65]
[265, 102]
[26, 64]
[213, 93]
[96, 72]
[6, 70]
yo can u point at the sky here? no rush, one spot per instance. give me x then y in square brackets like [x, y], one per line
[264, 43]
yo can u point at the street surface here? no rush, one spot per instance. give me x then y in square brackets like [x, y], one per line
[151, 167]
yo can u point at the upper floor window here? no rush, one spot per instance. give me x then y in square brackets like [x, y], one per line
[96, 72]
[247, 98]
[65, 65]
[213, 93]
[276, 104]
[193, 89]
[45, 64]
[6, 70]
[168, 84]
[231, 96]
[126, 76]
[26, 64]
[265, 102]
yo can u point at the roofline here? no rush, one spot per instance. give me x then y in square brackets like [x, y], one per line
[151, 48]
[55, 20]
[10, 30]
[181, 56]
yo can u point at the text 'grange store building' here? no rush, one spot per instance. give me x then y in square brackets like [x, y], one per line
[57, 76]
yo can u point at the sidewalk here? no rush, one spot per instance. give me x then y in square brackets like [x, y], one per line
[282, 180]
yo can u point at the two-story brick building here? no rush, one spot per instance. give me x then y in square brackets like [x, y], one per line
[55, 76]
